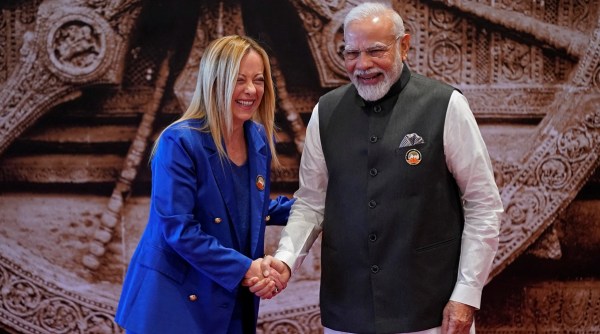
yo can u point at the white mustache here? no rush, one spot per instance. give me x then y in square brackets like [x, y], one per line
[366, 72]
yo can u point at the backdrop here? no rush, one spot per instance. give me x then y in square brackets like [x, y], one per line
[86, 85]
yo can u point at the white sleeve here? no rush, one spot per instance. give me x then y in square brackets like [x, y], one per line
[469, 162]
[306, 216]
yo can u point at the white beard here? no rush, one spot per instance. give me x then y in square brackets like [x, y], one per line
[376, 92]
[372, 92]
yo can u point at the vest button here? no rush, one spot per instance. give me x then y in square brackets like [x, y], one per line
[373, 171]
[193, 298]
[372, 204]
[377, 108]
[373, 139]
[218, 220]
[372, 237]
[374, 269]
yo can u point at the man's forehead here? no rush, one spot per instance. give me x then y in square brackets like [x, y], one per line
[368, 29]
[359, 40]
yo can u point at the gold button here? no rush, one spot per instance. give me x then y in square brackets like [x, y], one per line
[218, 220]
[193, 298]
[267, 218]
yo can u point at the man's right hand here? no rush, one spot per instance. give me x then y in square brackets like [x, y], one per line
[275, 271]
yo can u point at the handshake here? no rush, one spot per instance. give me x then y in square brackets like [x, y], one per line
[267, 277]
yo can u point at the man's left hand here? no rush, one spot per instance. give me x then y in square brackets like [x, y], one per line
[458, 318]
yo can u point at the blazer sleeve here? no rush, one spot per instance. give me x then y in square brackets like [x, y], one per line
[279, 210]
[176, 182]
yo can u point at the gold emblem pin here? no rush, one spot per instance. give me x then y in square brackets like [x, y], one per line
[413, 157]
[260, 182]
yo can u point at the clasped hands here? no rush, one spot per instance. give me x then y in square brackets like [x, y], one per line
[267, 277]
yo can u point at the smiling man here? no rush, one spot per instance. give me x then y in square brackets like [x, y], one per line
[396, 176]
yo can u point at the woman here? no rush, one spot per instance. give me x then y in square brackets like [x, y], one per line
[209, 204]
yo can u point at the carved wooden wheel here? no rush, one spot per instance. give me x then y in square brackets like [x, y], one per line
[87, 84]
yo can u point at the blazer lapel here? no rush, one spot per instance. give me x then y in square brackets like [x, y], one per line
[257, 159]
[222, 173]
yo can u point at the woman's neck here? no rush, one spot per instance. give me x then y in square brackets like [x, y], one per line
[236, 146]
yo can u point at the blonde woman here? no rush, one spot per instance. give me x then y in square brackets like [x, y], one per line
[209, 204]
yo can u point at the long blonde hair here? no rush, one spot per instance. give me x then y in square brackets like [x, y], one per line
[215, 85]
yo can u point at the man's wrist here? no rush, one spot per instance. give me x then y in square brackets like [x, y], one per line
[287, 258]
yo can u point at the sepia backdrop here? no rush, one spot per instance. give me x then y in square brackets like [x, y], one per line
[86, 85]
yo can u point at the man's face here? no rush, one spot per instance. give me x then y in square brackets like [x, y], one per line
[373, 56]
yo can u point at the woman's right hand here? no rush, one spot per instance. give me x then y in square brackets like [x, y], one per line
[270, 279]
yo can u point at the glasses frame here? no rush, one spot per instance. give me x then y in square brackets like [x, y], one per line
[371, 52]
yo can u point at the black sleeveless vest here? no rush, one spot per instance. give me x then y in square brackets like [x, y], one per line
[393, 218]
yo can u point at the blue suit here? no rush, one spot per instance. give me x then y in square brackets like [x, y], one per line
[186, 271]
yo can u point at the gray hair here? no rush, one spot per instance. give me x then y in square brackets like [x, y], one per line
[370, 9]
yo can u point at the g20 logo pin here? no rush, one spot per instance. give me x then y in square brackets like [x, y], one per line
[413, 157]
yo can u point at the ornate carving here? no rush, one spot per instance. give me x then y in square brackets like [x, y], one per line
[112, 216]
[543, 307]
[216, 20]
[71, 43]
[440, 53]
[547, 246]
[324, 31]
[3, 48]
[297, 321]
[24, 99]
[504, 172]
[27, 12]
[573, 42]
[528, 203]
[445, 59]
[530, 102]
[592, 119]
[554, 172]
[77, 45]
[15, 21]
[485, 63]
[37, 306]
[596, 79]
[514, 61]
[575, 143]
[550, 178]
[444, 46]
[61, 170]
[327, 8]
[582, 10]
[291, 114]
[284, 175]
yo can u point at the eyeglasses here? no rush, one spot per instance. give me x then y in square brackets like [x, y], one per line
[374, 52]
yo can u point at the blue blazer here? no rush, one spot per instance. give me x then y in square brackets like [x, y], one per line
[186, 271]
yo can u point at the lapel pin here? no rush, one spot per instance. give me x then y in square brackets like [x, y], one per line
[413, 157]
[260, 182]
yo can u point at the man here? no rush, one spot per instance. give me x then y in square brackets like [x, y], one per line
[398, 179]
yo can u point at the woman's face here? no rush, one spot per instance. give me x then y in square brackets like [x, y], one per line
[249, 88]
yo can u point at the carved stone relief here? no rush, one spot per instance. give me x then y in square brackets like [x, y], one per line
[31, 305]
[516, 73]
[69, 48]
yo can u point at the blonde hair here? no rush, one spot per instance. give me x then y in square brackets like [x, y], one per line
[217, 75]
